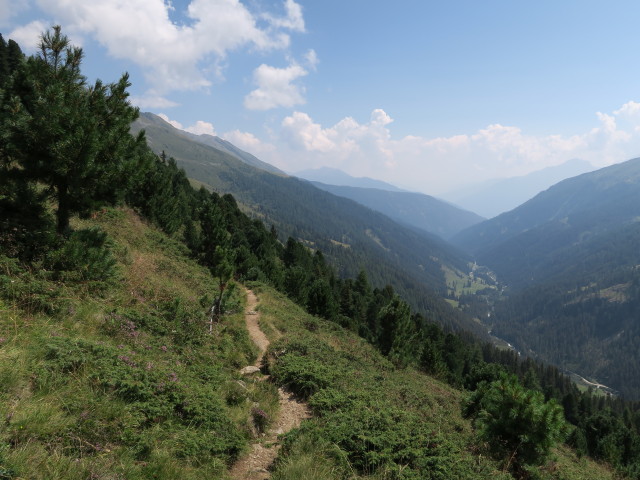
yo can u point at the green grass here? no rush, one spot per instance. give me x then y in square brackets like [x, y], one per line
[461, 284]
[372, 420]
[120, 379]
[125, 382]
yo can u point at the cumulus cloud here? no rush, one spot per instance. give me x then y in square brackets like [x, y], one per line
[276, 87]
[175, 56]
[293, 20]
[250, 143]
[28, 36]
[199, 128]
[301, 132]
[202, 128]
[435, 165]
[151, 102]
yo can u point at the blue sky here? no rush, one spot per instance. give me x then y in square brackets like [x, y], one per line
[424, 94]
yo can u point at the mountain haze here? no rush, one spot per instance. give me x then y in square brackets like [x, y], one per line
[333, 176]
[569, 213]
[496, 196]
[412, 209]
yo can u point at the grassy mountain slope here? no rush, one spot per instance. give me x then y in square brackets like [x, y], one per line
[353, 237]
[212, 141]
[413, 209]
[125, 383]
[128, 383]
[372, 417]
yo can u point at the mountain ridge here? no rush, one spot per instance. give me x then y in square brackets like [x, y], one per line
[416, 210]
[496, 196]
[334, 176]
[591, 194]
[216, 142]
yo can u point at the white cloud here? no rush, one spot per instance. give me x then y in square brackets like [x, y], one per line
[250, 143]
[28, 36]
[293, 20]
[435, 165]
[150, 102]
[202, 128]
[311, 59]
[275, 87]
[175, 56]
[300, 131]
[629, 109]
[9, 9]
[173, 123]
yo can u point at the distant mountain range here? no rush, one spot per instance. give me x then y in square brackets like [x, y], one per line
[571, 260]
[352, 236]
[566, 215]
[333, 176]
[415, 210]
[494, 197]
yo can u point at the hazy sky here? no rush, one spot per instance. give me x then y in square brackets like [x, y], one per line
[425, 94]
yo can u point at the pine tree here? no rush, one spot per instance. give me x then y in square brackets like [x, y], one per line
[14, 56]
[398, 332]
[518, 424]
[62, 133]
[4, 63]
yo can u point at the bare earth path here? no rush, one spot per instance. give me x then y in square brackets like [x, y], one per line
[254, 466]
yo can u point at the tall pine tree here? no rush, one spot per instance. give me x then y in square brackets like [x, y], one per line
[64, 134]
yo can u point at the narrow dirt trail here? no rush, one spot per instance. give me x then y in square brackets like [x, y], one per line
[255, 465]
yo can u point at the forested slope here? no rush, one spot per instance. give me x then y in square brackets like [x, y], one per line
[351, 237]
[412, 209]
[571, 212]
[569, 257]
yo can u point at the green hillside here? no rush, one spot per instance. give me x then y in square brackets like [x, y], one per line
[129, 383]
[412, 209]
[351, 237]
[121, 378]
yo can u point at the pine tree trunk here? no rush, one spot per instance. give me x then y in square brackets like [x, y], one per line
[64, 212]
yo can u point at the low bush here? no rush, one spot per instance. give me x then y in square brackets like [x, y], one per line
[84, 256]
